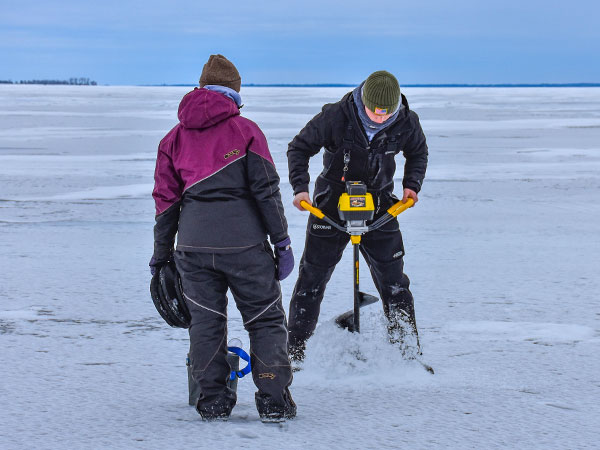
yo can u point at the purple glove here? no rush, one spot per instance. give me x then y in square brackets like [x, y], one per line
[284, 258]
[155, 265]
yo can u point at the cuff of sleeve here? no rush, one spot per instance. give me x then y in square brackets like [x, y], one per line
[277, 238]
[412, 185]
[301, 188]
[283, 243]
[163, 254]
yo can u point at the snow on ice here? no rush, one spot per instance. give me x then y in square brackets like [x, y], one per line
[502, 250]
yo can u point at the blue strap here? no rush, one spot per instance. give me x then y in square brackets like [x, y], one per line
[246, 357]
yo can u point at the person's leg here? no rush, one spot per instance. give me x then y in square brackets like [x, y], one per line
[322, 251]
[384, 251]
[251, 278]
[204, 290]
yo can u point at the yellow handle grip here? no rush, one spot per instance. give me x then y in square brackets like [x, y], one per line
[316, 211]
[400, 207]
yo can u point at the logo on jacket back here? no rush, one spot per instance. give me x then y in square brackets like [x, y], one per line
[231, 153]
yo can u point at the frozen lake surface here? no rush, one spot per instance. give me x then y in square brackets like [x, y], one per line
[503, 251]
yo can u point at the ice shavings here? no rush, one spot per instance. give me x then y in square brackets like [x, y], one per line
[334, 353]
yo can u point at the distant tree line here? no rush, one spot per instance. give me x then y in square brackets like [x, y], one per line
[71, 81]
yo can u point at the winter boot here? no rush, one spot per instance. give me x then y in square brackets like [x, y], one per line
[269, 411]
[216, 408]
[402, 332]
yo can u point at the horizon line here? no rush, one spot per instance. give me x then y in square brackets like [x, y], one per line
[579, 84]
[348, 85]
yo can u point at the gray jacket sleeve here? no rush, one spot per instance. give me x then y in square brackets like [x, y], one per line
[263, 181]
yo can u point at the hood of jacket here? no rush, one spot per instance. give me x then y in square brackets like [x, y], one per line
[202, 108]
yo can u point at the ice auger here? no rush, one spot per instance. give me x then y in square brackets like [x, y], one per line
[355, 208]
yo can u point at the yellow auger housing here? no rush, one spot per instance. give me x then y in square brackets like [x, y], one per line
[356, 204]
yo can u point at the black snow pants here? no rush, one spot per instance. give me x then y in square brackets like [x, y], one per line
[250, 276]
[383, 251]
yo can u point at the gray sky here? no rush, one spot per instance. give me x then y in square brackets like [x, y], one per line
[430, 41]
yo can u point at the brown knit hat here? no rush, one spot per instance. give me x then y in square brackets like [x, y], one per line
[219, 70]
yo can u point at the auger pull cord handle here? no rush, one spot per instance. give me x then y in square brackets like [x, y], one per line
[392, 212]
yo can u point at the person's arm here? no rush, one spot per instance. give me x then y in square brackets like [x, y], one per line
[307, 143]
[416, 153]
[263, 181]
[167, 197]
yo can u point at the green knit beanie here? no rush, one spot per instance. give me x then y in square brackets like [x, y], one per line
[381, 93]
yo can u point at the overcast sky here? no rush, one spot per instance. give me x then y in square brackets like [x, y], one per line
[303, 41]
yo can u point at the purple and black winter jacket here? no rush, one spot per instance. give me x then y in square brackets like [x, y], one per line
[216, 186]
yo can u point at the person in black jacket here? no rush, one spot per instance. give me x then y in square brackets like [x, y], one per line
[361, 135]
[217, 189]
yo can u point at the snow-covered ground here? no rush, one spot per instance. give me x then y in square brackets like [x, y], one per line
[503, 251]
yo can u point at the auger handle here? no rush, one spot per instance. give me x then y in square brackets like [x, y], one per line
[315, 211]
[318, 213]
[392, 212]
[400, 207]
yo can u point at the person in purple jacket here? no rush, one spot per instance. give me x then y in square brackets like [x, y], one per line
[217, 189]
